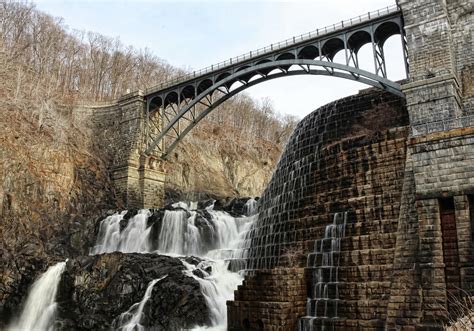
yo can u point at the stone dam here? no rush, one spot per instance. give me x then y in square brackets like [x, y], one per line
[343, 158]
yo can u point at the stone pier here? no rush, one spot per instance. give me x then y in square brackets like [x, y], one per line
[120, 129]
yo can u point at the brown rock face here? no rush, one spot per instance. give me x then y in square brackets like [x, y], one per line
[348, 156]
[220, 164]
[52, 189]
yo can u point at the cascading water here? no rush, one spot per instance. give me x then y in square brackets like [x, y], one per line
[129, 240]
[250, 207]
[130, 320]
[324, 264]
[215, 236]
[40, 308]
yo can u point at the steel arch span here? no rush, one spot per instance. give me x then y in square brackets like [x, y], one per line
[175, 108]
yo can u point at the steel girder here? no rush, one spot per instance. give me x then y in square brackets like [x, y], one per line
[174, 110]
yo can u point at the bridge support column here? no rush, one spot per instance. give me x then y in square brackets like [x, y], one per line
[433, 91]
[139, 181]
[152, 182]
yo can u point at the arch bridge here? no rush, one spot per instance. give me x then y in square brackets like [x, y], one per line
[175, 107]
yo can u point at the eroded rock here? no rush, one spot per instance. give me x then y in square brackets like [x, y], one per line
[95, 290]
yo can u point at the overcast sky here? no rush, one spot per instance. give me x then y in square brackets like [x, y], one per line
[194, 34]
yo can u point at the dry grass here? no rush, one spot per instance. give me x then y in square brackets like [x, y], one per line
[461, 312]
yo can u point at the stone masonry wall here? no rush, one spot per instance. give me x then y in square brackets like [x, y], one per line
[434, 253]
[440, 52]
[433, 89]
[119, 128]
[407, 255]
[271, 299]
[434, 256]
[461, 18]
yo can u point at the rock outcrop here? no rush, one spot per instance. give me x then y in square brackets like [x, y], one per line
[214, 165]
[95, 290]
[52, 190]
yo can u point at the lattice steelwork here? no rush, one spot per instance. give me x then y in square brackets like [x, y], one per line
[183, 102]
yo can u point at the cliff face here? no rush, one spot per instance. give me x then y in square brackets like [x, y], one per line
[52, 189]
[220, 164]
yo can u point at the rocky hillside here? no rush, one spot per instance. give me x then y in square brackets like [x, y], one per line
[51, 189]
[216, 163]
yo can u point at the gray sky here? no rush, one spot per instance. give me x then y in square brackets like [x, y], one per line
[193, 34]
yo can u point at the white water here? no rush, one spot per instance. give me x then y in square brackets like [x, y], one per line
[131, 239]
[40, 308]
[251, 207]
[130, 320]
[181, 235]
[217, 287]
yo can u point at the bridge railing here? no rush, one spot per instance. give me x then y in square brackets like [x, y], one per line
[277, 46]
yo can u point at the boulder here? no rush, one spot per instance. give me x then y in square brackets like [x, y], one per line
[95, 290]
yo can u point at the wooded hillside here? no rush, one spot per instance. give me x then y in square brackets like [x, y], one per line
[51, 63]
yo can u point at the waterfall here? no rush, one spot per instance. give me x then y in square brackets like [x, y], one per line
[130, 320]
[250, 207]
[172, 234]
[131, 239]
[324, 264]
[40, 308]
[217, 287]
[215, 236]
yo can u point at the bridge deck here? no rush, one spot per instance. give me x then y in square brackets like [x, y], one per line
[300, 40]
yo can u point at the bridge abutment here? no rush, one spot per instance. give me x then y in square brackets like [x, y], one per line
[433, 90]
[139, 180]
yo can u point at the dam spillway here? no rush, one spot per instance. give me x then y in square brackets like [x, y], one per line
[346, 157]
